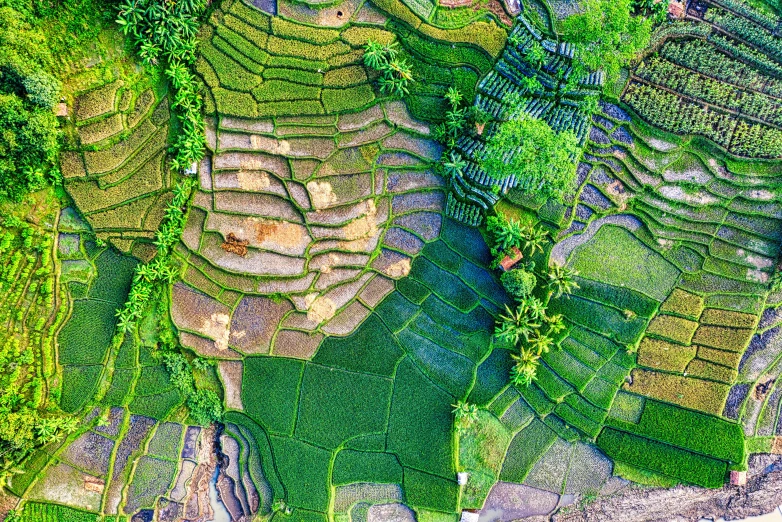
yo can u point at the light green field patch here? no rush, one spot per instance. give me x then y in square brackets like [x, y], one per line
[617, 257]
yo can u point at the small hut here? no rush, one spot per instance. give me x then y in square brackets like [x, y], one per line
[509, 261]
[738, 478]
[676, 9]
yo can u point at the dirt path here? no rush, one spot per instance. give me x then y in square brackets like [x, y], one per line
[761, 495]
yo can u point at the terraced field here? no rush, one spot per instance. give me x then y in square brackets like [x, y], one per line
[337, 294]
[117, 173]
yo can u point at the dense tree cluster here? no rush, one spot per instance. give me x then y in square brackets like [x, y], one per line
[28, 93]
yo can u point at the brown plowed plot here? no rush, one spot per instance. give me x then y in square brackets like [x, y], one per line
[295, 209]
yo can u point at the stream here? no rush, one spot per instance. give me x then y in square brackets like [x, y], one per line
[220, 512]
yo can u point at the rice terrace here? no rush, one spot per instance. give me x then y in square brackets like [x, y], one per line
[390, 260]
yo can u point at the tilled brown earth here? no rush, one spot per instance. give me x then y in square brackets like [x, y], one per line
[762, 494]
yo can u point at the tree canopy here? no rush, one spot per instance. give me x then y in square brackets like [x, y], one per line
[606, 34]
[28, 127]
[544, 160]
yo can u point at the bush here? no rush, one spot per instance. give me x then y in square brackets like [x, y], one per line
[519, 283]
[542, 159]
[205, 407]
[28, 146]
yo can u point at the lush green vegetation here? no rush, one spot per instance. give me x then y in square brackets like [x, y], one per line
[28, 93]
[532, 150]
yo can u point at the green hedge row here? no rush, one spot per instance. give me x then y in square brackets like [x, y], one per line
[662, 458]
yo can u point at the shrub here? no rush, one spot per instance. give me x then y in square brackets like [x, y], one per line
[28, 146]
[542, 159]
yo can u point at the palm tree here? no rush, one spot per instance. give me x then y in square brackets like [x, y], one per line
[561, 280]
[534, 307]
[522, 374]
[541, 343]
[453, 96]
[515, 324]
[455, 164]
[466, 414]
[374, 55]
[507, 233]
[534, 238]
[556, 323]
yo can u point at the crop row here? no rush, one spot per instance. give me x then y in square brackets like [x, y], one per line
[748, 31]
[695, 85]
[675, 114]
[708, 60]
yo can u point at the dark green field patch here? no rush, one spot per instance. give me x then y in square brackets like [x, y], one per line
[396, 311]
[419, 430]
[86, 336]
[492, 376]
[372, 348]
[362, 466]
[304, 469]
[426, 491]
[449, 370]
[445, 285]
[662, 458]
[599, 318]
[616, 255]
[270, 391]
[336, 405]
[78, 386]
[616, 296]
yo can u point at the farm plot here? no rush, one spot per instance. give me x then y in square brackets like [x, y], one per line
[700, 227]
[258, 66]
[32, 304]
[377, 402]
[719, 78]
[326, 220]
[116, 172]
[509, 84]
